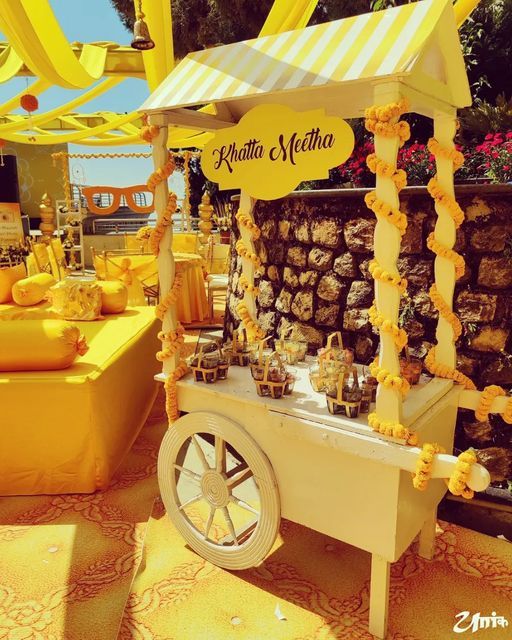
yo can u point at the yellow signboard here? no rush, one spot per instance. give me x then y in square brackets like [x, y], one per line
[273, 148]
[11, 227]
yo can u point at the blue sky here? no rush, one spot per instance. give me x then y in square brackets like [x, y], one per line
[89, 21]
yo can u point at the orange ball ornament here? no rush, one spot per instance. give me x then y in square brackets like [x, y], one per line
[29, 102]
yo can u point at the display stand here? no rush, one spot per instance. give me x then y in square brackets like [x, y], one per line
[70, 217]
[337, 475]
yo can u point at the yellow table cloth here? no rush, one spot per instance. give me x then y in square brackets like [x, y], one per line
[67, 431]
[192, 305]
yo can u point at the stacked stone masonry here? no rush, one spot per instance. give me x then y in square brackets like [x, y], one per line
[316, 247]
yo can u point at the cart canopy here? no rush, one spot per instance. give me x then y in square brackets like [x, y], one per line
[333, 65]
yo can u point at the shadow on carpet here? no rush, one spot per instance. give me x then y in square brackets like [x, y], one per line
[318, 584]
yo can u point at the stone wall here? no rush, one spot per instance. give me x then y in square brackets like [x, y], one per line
[316, 246]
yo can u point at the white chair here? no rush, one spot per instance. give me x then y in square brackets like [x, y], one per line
[218, 268]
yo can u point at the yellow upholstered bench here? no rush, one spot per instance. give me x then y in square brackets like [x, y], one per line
[67, 431]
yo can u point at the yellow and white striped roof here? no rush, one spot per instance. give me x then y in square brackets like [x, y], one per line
[370, 46]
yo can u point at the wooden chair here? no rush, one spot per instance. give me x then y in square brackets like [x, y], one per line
[58, 259]
[118, 264]
[39, 261]
[218, 269]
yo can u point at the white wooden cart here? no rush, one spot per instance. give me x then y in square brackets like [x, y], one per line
[333, 474]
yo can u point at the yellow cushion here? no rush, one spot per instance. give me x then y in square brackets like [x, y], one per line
[114, 296]
[8, 276]
[32, 290]
[39, 345]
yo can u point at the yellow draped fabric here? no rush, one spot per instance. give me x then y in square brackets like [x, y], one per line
[10, 64]
[20, 123]
[36, 36]
[37, 39]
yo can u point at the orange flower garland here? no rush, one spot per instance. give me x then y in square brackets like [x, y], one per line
[457, 484]
[245, 221]
[253, 330]
[174, 340]
[171, 298]
[171, 391]
[424, 465]
[392, 429]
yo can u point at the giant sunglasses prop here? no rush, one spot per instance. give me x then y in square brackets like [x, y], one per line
[129, 193]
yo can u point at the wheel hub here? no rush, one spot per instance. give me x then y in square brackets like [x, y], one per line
[215, 489]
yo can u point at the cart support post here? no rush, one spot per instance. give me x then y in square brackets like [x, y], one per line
[427, 540]
[246, 207]
[386, 250]
[379, 596]
[166, 268]
[445, 127]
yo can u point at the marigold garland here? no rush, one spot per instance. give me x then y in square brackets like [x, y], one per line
[486, 399]
[378, 120]
[378, 320]
[245, 252]
[386, 170]
[457, 484]
[446, 200]
[437, 149]
[247, 286]
[445, 311]
[250, 326]
[246, 221]
[164, 221]
[392, 429]
[389, 380]
[383, 210]
[378, 273]
[171, 391]
[171, 297]
[444, 371]
[424, 464]
[445, 252]
[174, 340]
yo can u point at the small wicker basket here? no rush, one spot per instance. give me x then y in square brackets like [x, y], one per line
[210, 364]
[348, 398]
[272, 379]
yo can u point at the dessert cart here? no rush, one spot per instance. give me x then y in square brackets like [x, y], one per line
[332, 473]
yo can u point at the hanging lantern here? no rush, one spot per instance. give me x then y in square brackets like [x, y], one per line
[141, 38]
[2, 145]
[29, 102]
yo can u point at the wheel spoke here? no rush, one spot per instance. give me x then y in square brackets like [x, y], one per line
[231, 527]
[190, 474]
[220, 455]
[209, 522]
[200, 453]
[191, 501]
[239, 477]
[244, 505]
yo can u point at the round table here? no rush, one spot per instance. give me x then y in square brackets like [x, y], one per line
[139, 271]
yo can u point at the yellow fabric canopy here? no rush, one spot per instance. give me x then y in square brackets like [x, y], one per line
[37, 38]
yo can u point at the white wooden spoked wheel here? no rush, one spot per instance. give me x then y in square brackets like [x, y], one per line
[214, 484]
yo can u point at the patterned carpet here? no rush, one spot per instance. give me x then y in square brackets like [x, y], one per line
[110, 565]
